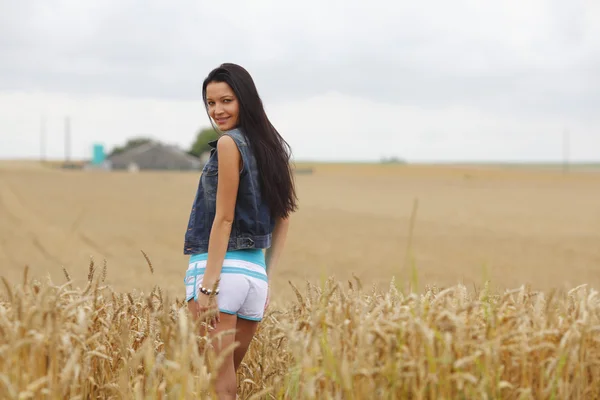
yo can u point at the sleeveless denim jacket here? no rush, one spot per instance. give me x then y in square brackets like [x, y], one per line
[252, 224]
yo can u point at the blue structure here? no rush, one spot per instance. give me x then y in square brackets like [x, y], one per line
[98, 154]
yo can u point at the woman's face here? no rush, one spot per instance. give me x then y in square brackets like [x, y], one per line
[223, 106]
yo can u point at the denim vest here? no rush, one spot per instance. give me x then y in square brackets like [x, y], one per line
[252, 224]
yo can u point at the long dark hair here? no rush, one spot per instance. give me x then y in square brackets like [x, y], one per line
[271, 151]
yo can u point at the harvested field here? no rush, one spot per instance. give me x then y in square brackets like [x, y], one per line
[511, 226]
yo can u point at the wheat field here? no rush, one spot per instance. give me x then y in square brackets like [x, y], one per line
[397, 282]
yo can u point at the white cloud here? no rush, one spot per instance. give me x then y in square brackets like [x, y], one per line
[436, 79]
[339, 127]
[330, 126]
[107, 120]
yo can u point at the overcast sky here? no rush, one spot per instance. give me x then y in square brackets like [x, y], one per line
[341, 80]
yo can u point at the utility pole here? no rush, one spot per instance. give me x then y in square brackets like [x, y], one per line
[67, 139]
[566, 140]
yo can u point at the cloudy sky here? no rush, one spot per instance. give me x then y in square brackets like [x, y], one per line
[341, 80]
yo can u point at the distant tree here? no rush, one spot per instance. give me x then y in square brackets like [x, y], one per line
[202, 138]
[393, 160]
[131, 143]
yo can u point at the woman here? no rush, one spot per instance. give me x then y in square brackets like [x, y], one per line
[244, 199]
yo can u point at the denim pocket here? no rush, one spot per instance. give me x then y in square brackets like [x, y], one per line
[211, 168]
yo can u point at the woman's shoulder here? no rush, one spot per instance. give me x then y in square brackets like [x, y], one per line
[238, 136]
[226, 144]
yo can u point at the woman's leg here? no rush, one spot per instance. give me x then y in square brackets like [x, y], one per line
[245, 332]
[226, 384]
[249, 315]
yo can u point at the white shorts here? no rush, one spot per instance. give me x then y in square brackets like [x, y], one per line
[242, 289]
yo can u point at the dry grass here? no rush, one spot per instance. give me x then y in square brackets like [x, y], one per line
[337, 340]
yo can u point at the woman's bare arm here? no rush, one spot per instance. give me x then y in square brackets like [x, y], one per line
[229, 170]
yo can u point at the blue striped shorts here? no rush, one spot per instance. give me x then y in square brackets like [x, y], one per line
[243, 287]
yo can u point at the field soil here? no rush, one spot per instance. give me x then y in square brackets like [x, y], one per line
[471, 224]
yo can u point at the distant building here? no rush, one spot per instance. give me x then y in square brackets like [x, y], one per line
[154, 156]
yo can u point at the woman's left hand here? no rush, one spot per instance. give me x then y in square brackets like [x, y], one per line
[206, 303]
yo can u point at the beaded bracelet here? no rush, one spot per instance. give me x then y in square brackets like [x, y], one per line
[208, 292]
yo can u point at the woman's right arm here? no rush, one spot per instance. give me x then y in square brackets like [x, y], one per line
[279, 236]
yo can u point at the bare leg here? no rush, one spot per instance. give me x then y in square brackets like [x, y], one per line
[245, 332]
[226, 384]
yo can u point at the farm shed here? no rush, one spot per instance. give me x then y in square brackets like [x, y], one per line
[154, 156]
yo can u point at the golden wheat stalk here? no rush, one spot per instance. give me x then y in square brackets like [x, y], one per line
[334, 341]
